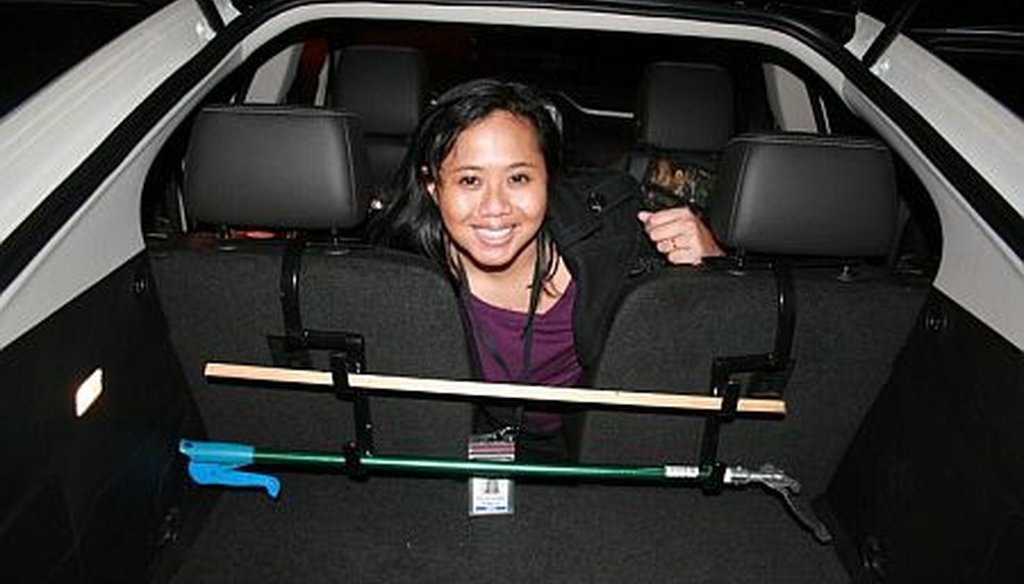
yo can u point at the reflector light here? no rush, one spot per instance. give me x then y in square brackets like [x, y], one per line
[88, 392]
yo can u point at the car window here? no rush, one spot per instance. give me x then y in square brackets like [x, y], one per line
[40, 40]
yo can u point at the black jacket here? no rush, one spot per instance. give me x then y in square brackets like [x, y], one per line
[592, 218]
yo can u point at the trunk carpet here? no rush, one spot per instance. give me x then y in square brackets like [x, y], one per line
[328, 528]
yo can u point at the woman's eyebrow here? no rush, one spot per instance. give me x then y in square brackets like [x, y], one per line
[523, 164]
[477, 167]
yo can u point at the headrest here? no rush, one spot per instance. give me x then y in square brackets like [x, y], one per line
[276, 166]
[385, 85]
[804, 194]
[686, 106]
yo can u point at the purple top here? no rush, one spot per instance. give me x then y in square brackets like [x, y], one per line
[498, 334]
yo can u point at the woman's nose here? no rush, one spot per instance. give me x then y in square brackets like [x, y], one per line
[494, 200]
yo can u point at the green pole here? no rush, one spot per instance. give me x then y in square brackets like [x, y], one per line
[449, 467]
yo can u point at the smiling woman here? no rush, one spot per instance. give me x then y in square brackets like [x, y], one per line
[483, 195]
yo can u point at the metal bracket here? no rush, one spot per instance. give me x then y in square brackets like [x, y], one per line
[343, 363]
[788, 488]
[749, 374]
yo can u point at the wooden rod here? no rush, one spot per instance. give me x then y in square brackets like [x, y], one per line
[450, 387]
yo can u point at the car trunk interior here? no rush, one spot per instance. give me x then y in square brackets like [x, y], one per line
[326, 526]
[213, 293]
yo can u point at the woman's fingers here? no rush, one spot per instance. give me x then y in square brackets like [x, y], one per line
[685, 256]
[669, 223]
[680, 235]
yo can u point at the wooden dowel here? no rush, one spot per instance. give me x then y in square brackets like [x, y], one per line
[395, 383]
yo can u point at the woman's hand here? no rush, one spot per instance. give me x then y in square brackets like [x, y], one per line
[680, 235]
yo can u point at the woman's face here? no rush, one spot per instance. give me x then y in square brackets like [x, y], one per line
[492, 193]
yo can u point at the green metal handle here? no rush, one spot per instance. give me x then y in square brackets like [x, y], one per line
[455, 467]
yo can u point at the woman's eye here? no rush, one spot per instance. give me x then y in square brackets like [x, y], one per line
[518, 179]
[469, 181]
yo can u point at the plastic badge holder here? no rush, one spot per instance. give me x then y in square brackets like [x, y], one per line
[489, 495]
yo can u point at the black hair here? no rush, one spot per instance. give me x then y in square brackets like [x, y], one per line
[412, 221]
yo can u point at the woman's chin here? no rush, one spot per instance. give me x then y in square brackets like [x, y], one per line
[492, 261]
[490, 258]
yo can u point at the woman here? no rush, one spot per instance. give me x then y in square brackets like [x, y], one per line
[538, 262]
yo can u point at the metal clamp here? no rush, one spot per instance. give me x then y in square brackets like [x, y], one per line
[777, 481]
[342, 363]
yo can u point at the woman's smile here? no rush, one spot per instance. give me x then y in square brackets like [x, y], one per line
[495, 236]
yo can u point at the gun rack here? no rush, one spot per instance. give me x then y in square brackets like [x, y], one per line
[217, 463]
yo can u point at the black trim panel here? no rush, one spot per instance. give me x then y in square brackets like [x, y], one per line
[932, 488]
[212, 15]
[86, 496]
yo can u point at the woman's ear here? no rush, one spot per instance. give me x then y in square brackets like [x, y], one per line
[428, 183]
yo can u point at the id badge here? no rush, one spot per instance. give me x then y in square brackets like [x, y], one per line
[491, 496]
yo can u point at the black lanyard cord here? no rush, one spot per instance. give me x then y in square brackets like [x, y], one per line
[545, 252]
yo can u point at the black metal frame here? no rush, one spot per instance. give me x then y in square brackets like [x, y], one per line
[347, 355]
[292, 349]
[342, 364]
[730, 376]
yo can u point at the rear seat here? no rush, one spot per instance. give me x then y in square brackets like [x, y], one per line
[385, 86]
[285, 169]
[685, 115]
[823, 204]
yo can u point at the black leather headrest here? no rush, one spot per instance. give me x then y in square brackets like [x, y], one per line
[686, 106]
[804, 194]
[276, 166]
[385, 85]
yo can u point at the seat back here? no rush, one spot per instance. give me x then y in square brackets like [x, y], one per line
[298, 172]
[822, 204]
[386, 87]
[685, 116]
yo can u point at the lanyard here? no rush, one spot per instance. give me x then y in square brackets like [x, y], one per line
[536, 287]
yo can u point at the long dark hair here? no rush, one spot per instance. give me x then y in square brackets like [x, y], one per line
[412, 220]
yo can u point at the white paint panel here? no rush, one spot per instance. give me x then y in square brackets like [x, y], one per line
[988, 135]
[789, 100]
[271, 82]
[226, 9]
[547, 18]
[978, 270]
[52, 133]
[100, 237]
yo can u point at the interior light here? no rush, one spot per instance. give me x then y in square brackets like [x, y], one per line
[88, 392]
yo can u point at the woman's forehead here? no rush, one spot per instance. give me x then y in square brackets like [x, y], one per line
[498, 138]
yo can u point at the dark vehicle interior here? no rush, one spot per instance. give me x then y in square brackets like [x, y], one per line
[223, 291]
[254, 218]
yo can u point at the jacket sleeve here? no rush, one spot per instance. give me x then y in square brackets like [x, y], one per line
[593, 218]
